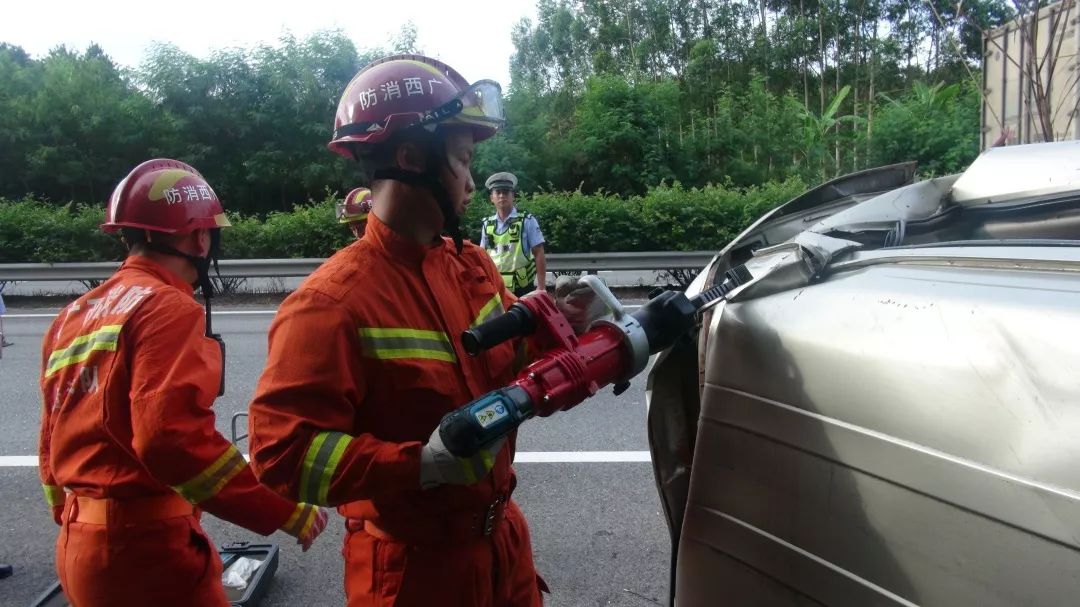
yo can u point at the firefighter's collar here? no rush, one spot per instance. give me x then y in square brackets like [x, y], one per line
[145, 264]
[396, 245]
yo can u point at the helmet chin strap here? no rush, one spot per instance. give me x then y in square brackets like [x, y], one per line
[202, 265]
[431, 181]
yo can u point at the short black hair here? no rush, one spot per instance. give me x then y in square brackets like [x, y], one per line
[133, 237]
[370, 159]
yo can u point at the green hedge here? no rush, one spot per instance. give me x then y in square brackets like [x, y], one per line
[33, 231]
[310, 230]
[667, 218]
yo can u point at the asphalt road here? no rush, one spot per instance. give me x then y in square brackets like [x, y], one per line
[598, 532]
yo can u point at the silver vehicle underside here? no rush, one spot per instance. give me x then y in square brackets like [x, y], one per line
[889, 413]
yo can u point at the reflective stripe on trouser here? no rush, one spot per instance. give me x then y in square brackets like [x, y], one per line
[394, 342]
[209, 482]
[320, 464]
[54, 496]
[492, 309]
[82, 347]
[168, 563]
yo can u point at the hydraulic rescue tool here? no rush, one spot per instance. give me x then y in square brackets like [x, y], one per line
[571, 367]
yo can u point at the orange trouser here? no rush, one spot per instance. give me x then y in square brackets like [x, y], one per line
[137, 553]
[492, 571]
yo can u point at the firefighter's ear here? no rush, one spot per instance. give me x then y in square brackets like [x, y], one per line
[198, 243]
[411, 157]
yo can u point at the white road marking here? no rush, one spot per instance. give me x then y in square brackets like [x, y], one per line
[523, 457]
[629, 308]
[216, 313]
[49, 315]
[18, 461]
[578, 457]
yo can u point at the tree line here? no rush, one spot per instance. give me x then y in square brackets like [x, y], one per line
[620, 96]
[604, 97]
[255, 121]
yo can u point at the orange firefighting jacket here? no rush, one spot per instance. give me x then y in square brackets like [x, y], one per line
[128, 379]
[364, 360]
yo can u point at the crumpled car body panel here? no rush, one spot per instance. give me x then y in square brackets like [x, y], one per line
[887, 415]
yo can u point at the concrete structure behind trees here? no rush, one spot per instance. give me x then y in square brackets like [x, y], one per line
[1031, 76]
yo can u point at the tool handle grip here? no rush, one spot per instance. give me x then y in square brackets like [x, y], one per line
[221, 345]
[468, 429]
[518, 321]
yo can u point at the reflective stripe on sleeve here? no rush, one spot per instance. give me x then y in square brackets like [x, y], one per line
[390, 343]
[300, 520]
[54, 495]
[475, 468]
[492, 309]
[82, 347]
[210, 481]
[320, 464]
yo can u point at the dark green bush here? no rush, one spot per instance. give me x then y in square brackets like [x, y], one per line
[934, 125]
[667, 218]
[34, 231]
[310, 230]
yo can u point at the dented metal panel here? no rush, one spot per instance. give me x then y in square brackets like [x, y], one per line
[1018, 173]
[899, 433]
[886, 414]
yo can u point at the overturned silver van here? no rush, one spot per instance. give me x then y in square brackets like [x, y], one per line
[889, 413]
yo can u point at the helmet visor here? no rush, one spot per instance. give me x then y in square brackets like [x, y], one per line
[481, 104]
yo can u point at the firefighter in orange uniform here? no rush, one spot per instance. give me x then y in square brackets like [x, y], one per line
[128, 379]
[364, 360]
[353, 211]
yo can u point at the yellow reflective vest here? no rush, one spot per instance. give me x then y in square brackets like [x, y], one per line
[517, 265]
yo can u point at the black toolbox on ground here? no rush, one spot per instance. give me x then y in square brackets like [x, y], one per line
[232, 556]
[259, 582]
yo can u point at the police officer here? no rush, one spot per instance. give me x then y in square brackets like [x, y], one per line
[513, 239]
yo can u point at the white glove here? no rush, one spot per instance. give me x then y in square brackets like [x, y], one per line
[440, 467]
[578, 303]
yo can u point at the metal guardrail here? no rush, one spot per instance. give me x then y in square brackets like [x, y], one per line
[287, 268]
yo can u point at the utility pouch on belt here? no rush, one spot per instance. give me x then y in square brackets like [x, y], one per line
[247, 572]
